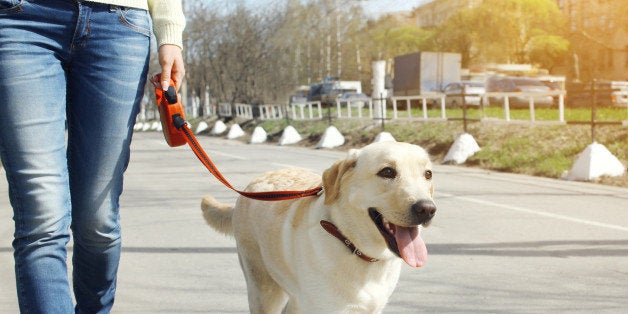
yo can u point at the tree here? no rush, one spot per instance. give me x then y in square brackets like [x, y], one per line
[548, 51]
[262, 55]
[454, 36]
[503, 31]
[234, 55]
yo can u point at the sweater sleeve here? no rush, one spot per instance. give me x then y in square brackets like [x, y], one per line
[168, 21]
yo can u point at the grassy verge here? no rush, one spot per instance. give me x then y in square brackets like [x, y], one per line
[533, 149]
[540, 114]
[547, 150]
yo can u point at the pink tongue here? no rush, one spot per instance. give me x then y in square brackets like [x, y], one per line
[411, 246]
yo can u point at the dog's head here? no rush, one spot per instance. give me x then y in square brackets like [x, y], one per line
[379, 196]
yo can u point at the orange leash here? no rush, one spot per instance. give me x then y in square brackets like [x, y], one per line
[207, 162]
[177, 132]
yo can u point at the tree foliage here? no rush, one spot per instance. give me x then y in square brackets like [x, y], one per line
[505, 31]
[262, 55]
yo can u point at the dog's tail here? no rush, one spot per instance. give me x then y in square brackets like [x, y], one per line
[217, 215]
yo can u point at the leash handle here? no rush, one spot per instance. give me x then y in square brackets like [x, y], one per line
[177, 133]
[169, 106]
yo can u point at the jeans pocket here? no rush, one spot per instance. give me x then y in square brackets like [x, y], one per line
[10, 6]
[136, 19]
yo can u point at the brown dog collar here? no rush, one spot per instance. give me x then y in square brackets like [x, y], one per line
[333, 230]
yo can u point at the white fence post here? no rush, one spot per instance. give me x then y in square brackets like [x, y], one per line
[443, 110]
[379, 72]
[300, 114]
[561, 106]
[532, 115]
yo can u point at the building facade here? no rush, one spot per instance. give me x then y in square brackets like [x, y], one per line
[598, 34]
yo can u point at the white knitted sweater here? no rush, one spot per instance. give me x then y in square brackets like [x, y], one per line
[167, 16]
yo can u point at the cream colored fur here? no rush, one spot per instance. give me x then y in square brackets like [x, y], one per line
[292, 264]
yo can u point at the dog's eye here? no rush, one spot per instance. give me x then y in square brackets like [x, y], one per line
[428, 174]
[388, 173]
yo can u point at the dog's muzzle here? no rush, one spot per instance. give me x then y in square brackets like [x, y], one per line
[405, 241]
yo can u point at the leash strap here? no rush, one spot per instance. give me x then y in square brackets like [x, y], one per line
[182, 126]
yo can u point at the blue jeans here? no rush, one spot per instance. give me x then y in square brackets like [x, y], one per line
[80, 66]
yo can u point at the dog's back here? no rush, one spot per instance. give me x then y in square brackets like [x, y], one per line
[219, 215]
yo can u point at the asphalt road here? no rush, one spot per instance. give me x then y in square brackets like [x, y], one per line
[500, 243]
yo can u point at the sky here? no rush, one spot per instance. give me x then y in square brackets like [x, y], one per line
[371, 7]
[386, 6]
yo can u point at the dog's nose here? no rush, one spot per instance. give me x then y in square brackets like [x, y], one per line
[424, 210]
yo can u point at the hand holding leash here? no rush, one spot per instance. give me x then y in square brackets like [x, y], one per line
[170, 112]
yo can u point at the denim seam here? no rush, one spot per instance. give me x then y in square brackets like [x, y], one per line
[77, 31]
[14, 196]
[21, 291]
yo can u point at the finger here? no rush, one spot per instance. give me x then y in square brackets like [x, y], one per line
[165, 76]
[155, 80]
[178, 70]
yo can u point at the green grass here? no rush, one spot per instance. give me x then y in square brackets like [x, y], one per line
[536, 150]
[530, 148]
[540, 114]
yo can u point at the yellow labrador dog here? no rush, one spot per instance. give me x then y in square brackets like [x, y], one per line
[342, 251]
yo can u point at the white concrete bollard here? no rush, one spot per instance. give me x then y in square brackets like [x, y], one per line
[235, 131]
[464, 147]
[331, 138]
[259, 136]
[595, 161]
[289, 136]
[219, 128]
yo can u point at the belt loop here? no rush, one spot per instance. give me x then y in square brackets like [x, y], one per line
[113, 8]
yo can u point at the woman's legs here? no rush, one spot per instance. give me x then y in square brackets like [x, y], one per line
[32, 146]
[98, 55]
[105, 85]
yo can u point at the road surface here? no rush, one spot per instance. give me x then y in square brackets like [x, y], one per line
[500, 243]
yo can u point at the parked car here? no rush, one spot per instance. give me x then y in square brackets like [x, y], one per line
[520, 85]
[473, 93]
[607, 93]
[298, 99]
[620, 98]
[554, 86]
[354, 99]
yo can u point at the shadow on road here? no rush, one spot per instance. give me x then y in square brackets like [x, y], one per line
[554, 248]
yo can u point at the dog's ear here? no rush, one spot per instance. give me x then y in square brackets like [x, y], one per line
[332, 177]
